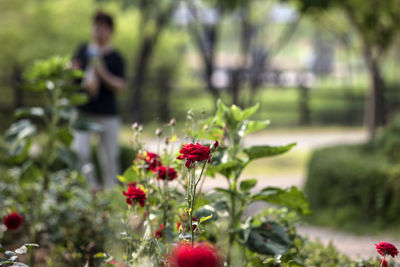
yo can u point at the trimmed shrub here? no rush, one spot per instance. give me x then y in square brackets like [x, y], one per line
[355, 183]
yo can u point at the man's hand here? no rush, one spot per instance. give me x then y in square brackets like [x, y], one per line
[112, 81]
[91, 82]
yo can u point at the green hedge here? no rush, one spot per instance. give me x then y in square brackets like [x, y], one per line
[355, 183]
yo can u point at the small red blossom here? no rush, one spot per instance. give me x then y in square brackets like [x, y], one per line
[200, 255]
[13, 221]
[385, 248]
[178, 225]
[162, 173]
[159, 232]
[152, 160]
[135, 194]
[114, 262]
[383, 263]
[216, 144]
[193, 153]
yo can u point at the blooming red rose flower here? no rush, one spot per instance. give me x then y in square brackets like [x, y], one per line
[200, 255]
[193, 153]
[13, 221]
[383, 263]
[162, 173]
[385, 248]
[159, 232]
[135, 194]
[152, 160]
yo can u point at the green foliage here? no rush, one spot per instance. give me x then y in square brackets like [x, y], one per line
[42, 179]
[358, 183]
[11, 257]
[319, 255]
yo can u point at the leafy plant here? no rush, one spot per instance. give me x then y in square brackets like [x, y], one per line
[43, 169]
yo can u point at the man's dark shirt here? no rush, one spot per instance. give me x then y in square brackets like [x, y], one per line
[104, 103]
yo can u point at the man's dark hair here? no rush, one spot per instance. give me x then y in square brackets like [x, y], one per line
[103, 18]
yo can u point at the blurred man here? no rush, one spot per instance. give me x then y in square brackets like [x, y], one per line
[103, 78]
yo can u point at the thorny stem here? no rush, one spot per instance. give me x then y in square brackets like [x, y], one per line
[193, 195]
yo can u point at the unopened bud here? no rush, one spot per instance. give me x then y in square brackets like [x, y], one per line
[140, 129]
[172, 122]
[135, 126]
[158, 132]
[215, 145]
[166, 140]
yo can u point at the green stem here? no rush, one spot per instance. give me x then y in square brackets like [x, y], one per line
[52, 131]
[166, 195]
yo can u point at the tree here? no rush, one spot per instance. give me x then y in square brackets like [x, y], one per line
[155, 17]
[377, 25]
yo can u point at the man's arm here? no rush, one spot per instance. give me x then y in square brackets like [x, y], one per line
[113, 82]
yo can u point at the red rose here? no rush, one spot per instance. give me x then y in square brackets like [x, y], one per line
[200, 255]
[114, 262]
[136, 194]
[152, 160]
[383, 263]
[385, 248]
[162, 173]
[194, 153]
[159, 232]
[194, 223]
[13, 221]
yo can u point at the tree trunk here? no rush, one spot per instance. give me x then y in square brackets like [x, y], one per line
[17, 87]
[164, 87]
[143, 60]
[144, 56]
[304, 105]
[375, 113]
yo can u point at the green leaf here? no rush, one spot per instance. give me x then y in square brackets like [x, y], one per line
[34, 111]
[256, 152]
[68, 157]
[130, 175]
[226, 169]
[100, 255]
[203, 219]
[30, 173]
[20, 130]
[241, 115]
[248, 184]
[254, 126]
[293, 263]
[268, 239]
[226, 191]
[78, 99]
[206, 211]
[292, 198]
[31, 245]
[5, 261]
[19, 151]
[65, 136]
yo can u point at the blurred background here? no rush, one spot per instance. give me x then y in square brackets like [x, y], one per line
[306, 64]
[324, 72]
